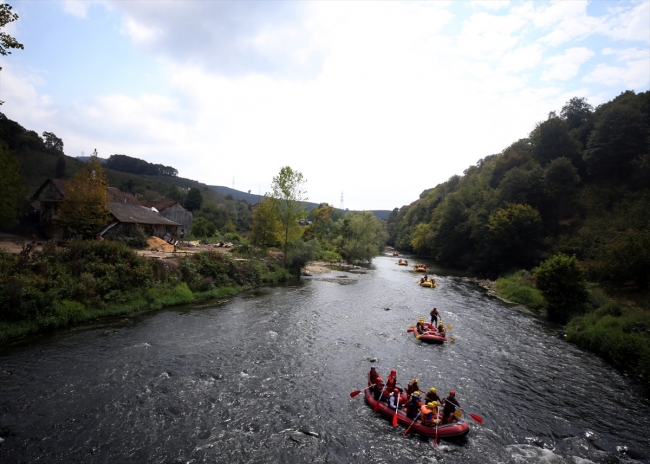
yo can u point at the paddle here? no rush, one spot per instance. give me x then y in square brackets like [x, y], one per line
[409, 427]
[396, 409]
[356, 392]
[449, 327]
[453, 339]
[476, 417]
[435, 442]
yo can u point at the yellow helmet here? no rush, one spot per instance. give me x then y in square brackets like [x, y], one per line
[433, 390]
[433, 404]
[414, 380]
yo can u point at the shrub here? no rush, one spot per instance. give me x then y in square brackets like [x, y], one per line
[561, 281]
[519, 287]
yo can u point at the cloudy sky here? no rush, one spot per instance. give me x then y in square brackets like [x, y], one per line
[378, 100]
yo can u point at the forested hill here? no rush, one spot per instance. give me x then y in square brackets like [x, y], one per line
[579, 183]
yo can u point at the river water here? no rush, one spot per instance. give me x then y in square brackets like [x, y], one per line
[243, 380]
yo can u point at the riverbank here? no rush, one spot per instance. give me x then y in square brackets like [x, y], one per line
[64, 286]
[616, 329]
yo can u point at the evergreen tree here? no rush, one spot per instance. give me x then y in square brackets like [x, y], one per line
[194, 199]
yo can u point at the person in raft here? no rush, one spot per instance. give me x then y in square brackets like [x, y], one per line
[449, 407]
[412, 387]
[377, 389]
[429, 413]
[394, 399]
[391, 383]
[413, 405]
[434, 316]
[421, 328]
[432, 396]
[441, 329]
[372, 375]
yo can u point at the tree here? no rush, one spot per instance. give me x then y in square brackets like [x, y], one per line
[266, 226]
[561, 280]
[620, 137]
[366, 236]
[515, 235]
[11, 182]
[85, 208]
[289, 195]
[52, 142]
[194, 199]
[576, 112]
[201, 227]
[7, 41]
[551, 139]
[176, 194]
[322, 215]
[59, 170]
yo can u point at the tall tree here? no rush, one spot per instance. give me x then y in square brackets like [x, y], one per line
[194, 199]
[620, 137]
[11, 182]
[562, 282]
[52, 142]
[6, 41]
[85, 208]
[266, 226]
[576, 112]
[289, 195]
[366, 236]
[551, 139]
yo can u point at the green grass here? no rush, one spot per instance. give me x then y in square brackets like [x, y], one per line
[618, 333]
[518, 287]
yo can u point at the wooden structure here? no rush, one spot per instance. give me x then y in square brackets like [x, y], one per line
[125, 208]
[175, 212]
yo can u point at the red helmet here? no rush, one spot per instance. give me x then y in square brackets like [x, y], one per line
[452, 393]
[396, 391]
[393, 372]
[379, 380]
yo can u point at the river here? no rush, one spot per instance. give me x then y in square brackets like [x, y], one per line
[242, 380]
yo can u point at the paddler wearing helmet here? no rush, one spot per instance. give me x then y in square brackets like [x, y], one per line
[441, 329]
[449, 407]
[432, 395]
[372, 375]
[412, 387]
[391, 383]
[377, 389]
[421, 328]
[413, 405]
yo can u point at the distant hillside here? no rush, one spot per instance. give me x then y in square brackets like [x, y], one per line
[253, 198]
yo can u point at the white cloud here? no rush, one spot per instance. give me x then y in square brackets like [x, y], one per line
[566, 66]
[487, 37]
[490, 4]
[566, 21]
[636, 74]
[76, 8]
[526, 57]
[630, 23]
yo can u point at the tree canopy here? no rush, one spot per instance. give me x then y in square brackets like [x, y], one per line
[131, 165]
[85, 209]
[289, 194]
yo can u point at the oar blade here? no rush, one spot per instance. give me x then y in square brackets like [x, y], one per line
[354, 393]
[452, 339]
[376, 407]
[458, 414]
[478, 419]
[409, 330]
[395, 419]
[449, 327]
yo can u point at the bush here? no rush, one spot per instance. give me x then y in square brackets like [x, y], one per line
[561, 280]
[329, 256]
[134, 238]
[519, 287]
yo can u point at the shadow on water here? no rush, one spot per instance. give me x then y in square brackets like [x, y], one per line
[266, 377]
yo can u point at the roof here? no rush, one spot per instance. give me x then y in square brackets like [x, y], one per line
[121, 197]
[129, 213]
[59, 184]
[159, 205]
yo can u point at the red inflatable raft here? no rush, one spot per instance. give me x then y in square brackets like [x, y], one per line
[456, 429]
[431, 336]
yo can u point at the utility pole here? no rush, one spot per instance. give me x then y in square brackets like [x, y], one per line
[341, 204]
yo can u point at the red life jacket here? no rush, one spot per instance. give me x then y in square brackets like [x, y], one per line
[390, 383]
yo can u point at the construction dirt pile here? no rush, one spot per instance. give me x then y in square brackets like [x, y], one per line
[158, 244]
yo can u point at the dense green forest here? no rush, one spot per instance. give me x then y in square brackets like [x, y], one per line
[43, 157]
[579, 184]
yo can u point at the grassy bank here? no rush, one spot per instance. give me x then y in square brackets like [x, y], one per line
[617, 331]
[519, 288]
[83, 281]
